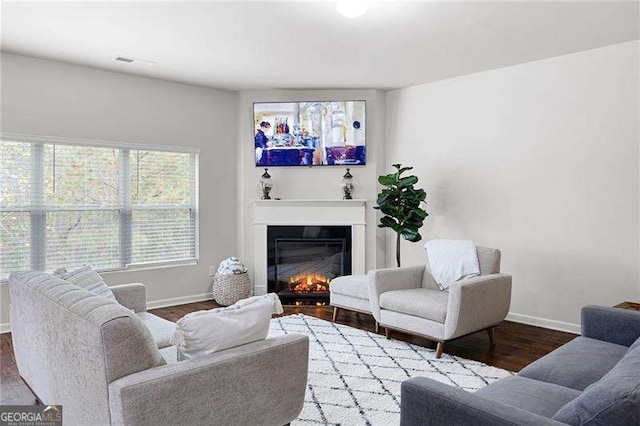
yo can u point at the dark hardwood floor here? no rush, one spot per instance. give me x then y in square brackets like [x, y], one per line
[517, 345]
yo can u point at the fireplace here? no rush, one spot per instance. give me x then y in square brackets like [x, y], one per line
[302, 261]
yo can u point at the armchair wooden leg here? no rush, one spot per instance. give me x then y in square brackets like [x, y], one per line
[492, 336]
[439, 349]
[387, 332]
[335, 313]
[377, 327]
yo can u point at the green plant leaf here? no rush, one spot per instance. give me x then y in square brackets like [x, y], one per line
[420, 213]
[388, 221]
[408, 181]
[388, 180]
[409, 235]
[408, 227]
[422, 195]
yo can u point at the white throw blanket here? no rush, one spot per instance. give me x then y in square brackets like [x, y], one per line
[451, 261]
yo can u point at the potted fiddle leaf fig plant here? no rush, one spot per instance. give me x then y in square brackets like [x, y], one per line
[401, 204]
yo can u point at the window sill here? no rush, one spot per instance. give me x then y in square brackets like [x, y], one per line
[151, 266]
[136, 268]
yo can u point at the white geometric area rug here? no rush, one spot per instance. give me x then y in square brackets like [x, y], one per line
[355, 375]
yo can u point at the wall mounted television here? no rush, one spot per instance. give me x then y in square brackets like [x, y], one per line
[310, 133]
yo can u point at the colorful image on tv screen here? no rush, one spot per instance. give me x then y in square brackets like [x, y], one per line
[310, 133]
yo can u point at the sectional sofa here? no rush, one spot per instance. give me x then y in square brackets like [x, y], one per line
[592, 380]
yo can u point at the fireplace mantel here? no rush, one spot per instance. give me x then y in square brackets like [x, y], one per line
[305, 201]
[311, 213]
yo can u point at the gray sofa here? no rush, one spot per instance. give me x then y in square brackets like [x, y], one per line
[99, 360]
[592, 380]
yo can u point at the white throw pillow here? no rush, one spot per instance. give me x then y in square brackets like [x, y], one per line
[205, 332]
[271, 297]
[89, 279]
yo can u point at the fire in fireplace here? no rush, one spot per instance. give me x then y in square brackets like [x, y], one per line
[309, 283]
[302, 261]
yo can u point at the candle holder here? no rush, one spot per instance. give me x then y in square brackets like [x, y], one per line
[266, 184]
[347, 186]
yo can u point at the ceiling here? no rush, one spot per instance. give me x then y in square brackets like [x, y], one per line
[259, 45]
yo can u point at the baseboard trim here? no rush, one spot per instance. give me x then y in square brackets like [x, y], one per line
[567, 327]
[163, 303]
[519, 318]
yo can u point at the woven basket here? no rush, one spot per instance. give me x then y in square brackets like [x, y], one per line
[228, 289]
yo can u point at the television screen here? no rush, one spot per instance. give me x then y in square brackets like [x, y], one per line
[310, 133]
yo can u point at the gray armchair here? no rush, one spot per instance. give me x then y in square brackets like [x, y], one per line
[408, 300]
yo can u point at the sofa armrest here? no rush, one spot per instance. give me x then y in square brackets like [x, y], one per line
[428, 402]
[477, 303]
[239, 386]
[132, 296]
[613, 325]
[381, 280]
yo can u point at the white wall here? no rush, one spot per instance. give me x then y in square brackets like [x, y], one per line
[315, 182]
[55, 99]
[540, 160]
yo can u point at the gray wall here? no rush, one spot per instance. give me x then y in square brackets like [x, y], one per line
[540, 160]
[54, 99]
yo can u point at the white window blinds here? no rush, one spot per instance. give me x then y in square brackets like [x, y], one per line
[68, 205]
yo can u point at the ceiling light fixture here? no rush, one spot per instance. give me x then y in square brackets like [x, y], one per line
[352, 8]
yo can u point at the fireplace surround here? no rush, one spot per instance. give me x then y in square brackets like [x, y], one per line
[309, 213]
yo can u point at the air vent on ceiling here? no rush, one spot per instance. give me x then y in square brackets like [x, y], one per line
[133, 61]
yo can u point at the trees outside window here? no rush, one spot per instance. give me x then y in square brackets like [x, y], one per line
[68, 205]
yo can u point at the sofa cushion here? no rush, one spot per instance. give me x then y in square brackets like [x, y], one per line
[160, 328]
[541, 398]
[614, 400]
[421, 302]
[634, 345]
[351, 285]
[577, 364]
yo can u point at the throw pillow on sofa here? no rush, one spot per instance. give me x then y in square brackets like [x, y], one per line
[271, 297]
[612, 400]
[88, 279]
[205, 332]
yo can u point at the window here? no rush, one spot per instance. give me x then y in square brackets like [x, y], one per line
[111, 207]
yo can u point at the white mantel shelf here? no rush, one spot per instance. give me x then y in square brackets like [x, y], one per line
[307, 212]
[327, 202]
